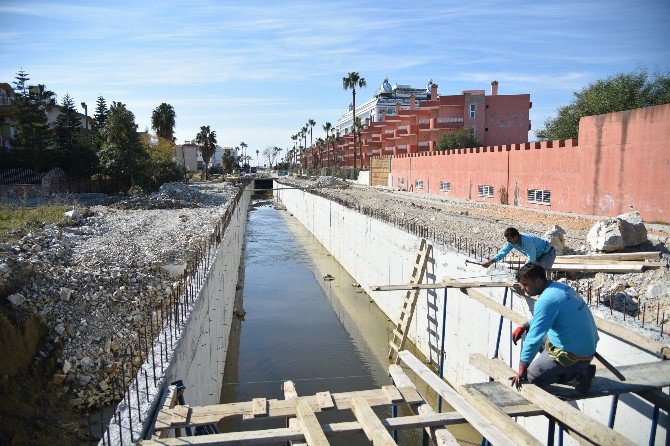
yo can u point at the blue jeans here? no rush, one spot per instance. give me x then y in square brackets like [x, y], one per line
[547, 259]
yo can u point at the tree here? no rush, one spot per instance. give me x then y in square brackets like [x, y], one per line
[457, 139]
[271, 153]
[163, 121]
[122, 153]
[623, 91]
[100, 115]
[244, 146]
[326, 128]
[358, 127]
[311, 123]
[68, 124]
[351, 81]
[228, 161]
[206, 139]
[257, 152]
[33, 136]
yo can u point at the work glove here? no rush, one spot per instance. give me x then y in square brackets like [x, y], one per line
[522, 375]
[516, 334]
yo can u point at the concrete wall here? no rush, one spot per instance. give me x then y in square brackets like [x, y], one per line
[200, 354]
[376, 253]
[621, 163]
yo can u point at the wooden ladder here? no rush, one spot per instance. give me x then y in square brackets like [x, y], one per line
[409, 301]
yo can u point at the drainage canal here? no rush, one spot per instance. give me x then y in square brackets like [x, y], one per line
[322, 335]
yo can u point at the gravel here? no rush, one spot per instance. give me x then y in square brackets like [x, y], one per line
[96, 284]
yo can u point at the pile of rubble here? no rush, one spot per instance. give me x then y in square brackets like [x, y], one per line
[95, 285]
[178, 196]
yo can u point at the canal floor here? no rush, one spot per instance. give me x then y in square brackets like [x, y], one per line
[322, 335]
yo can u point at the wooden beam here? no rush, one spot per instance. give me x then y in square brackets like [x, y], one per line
[476, 419]
[309, 424]
[624, 256]
[563, 412]
[499, 418]
[439, 435]
[372, 426]
[438, 285]
[274, 436]
[164, 419]
[290, 393]
[621, 268]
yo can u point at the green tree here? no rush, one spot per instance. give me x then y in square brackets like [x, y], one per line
[33, 136]
[351, 81]
[358, 127]
[100, 115]
[68, 124]
[228, 161]
[122, 154]
[206, 139]
[623, 91]
[457, 139]
[163, 121]
[327, 128]
[244, 146]
[311, 123]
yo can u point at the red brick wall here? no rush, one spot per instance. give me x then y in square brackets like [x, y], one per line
[622, 163]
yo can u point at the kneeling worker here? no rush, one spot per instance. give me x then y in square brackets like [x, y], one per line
[565, 319]
[535, 248]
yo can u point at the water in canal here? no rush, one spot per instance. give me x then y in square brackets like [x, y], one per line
[322, 335]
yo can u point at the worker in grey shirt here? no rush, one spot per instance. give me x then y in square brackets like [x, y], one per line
[536, 249]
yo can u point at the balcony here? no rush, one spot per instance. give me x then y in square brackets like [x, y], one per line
[448, 120]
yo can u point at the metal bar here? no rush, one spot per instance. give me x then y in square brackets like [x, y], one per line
[444, 325]
[613, 408]
[551, 430]
[500, 324]
[394, 414]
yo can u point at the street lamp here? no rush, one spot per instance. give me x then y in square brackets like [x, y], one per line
[83, 104]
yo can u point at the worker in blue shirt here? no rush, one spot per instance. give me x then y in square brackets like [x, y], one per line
[565, 319]
[535, 248]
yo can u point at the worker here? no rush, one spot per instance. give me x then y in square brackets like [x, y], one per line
[565, 319]
[535, 248]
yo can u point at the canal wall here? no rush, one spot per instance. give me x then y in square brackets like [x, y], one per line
[375, 252]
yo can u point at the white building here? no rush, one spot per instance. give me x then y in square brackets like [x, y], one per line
[385, 99]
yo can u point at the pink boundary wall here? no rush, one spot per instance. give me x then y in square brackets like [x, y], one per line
[621, 163]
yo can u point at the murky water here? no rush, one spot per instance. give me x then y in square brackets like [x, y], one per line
[322, 335]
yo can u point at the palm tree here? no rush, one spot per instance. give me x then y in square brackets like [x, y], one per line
[206, 139]
[326, 128]
[311, 123]
[351, 81]
[257, 152]
[303, 132]
[295, 152]
[319, 145]
[244, 146]
[358, 126]
[163, 120]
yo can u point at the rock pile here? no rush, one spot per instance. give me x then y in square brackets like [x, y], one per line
[615, 234]
[96, 285]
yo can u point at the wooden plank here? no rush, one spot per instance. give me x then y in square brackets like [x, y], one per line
[372, 426]
[325, 400]
[563, 412]
[392, 393]
[274, 436]
[309, 425]
[259, 407]
[499, 418]
[164, 417]
[630, 256]
[290, 392]
[447, 284]
[411, 395]
[439, 435]
[476, 419]
[598, 268]
[180, 415]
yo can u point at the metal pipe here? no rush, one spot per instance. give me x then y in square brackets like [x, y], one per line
[654, 425]
[444, 324]
[560, 435]
[394, 413]
[551, 430]
[500, 324]
[613, 407]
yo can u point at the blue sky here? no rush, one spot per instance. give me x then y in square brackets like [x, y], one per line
[257, 71]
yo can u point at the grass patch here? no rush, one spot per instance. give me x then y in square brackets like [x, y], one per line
[17, 217]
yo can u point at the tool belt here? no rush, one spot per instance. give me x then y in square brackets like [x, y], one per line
[564, 358]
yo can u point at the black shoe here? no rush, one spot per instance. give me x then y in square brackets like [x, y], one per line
[584, 382]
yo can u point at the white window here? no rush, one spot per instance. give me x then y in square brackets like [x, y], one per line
[418, 184]
[444, 186]
[485, 191]
[473, 110]
[401, 181]
[539, 196]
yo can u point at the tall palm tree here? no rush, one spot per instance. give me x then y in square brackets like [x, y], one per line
[206, 139]
[351, 81]
[295, 152]
[358, 127]
[257, 152]
[244, 146]
[163, 120]
[326, 128]
[311, 123]
[303, 132]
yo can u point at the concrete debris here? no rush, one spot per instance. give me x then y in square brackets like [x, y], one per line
[328, 278]
[615, 234]
[16, 299]
[75, 214]
[95, 285]
[556, 238]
